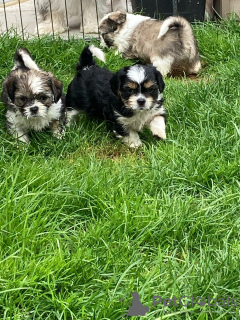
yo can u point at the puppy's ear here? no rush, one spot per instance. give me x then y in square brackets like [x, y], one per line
[159, 79]
[57, 88]
[117, 17]
[116, 80]
[115, 84]
[10, 85]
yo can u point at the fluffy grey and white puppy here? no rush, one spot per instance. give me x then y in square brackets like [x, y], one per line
[53, 13]
[33, 97]
[169, 45]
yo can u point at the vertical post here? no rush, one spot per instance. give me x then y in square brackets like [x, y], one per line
[20, 12]
[126, 5]
[35, 10]
[133, 5]
[157, 16]
[51, 15]
[5, 14]
[66, 11]
[82, 19]
[222, 7]
[97, 18]
[175, 7]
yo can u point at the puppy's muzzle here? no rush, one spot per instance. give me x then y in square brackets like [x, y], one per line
[141, 102]
[34, 110]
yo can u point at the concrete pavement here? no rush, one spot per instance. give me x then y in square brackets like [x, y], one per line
[1, 1]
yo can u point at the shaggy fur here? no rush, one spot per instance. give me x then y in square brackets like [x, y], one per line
[83, 10]
[33, 98]
[129, 99]
[169, 45]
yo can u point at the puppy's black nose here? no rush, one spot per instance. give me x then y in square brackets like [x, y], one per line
[34, 109]
[141, 101]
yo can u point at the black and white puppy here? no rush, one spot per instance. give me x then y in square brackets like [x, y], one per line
[33, 97]
[130, 99]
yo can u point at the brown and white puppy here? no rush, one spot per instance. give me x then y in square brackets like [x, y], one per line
[33, 98]
[169, 45]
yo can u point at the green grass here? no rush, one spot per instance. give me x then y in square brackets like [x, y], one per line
[85, 221]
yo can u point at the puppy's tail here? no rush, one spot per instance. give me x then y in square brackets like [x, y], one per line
[23, 58]
[174, 23]
[86, 58]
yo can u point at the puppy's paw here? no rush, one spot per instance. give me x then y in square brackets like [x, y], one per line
[59, 134]
[158, 127]
[57, 129]
[22, 137]
[132, 140]
[71, 117]
[135, 144]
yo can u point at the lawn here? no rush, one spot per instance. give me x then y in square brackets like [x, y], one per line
[86, 221]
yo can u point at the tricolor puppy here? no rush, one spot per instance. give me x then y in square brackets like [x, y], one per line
[129, 99]
[33, 98]
[169, 45]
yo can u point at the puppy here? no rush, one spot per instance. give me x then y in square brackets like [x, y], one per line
[33, 98]
[53, 13]
[169, 45]
[129, 100]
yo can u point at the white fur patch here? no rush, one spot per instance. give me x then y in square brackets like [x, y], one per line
[158, 127]
[136, 74]
[18, 132]
[164, 28]
[160, 95]
[140, 118]
[196, 68]
[163, 65]
[96, 52]
[35, 83]
[169, 21]
[28, 61]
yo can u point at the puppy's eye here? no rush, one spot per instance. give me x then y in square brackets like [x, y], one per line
[23, 99]
[42, 98]
[149, 90]
[130, 90]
